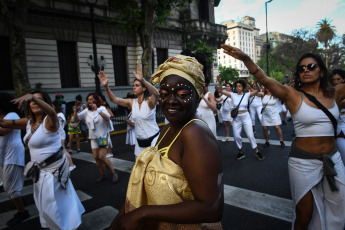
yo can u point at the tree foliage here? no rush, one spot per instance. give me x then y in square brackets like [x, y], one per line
[228, 74]
[326, 32]
[200, 47]
[142, 17]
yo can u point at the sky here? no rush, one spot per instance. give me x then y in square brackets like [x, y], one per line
[284, 16]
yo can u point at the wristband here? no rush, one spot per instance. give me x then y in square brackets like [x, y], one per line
[108, 92]
[256, 71]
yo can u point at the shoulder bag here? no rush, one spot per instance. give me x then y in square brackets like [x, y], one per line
[234, 112]
[265, 105]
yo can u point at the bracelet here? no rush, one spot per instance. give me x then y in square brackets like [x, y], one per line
[108, 92]
[256, 71]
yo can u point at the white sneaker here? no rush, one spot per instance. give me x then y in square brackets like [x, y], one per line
[71, 168]
[227, 139]
[109, 155]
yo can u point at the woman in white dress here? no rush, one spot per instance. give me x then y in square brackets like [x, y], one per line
[255, 106]
[207, 106]
[225, 111]
[130, 136]
[270, 117]
[143, 109]
[56, 200]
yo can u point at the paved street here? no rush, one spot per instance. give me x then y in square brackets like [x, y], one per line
[257, 193]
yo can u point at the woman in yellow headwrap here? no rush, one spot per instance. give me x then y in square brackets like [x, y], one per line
[178, 184]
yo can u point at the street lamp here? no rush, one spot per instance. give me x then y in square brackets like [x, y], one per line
[92, 4]
[267, 43]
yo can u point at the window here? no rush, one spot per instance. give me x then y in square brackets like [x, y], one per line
[162, 55]
[67, 54]
[234, 43]
[5, 65]
[204, 10]
[120, 65]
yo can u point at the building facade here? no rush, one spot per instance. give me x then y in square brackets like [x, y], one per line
[59, 50]
[245, 36]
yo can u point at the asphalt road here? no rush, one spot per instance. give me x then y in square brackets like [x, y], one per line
[257, 193]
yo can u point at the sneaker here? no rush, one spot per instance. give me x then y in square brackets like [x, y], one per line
[227, 139]
[71, 168]
[240, 156]
[18, 217]
[259, 156]
[283, 122]
[266, 144]
[109, 155]
[70, 152]
[282, 144]
[78, 151]
[115, 178]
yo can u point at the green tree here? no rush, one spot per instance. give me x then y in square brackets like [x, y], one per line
[143, 17]
[325, 34]
[277, 69]
[15, 23]
[228, 74]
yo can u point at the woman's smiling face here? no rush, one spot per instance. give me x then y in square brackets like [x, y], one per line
[178, 99]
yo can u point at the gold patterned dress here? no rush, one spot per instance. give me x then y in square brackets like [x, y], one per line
[157, 180]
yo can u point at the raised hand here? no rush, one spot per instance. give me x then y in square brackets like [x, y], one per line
[22, 99]
[235, 52]
[219, 79]
[138, 74]
[103, 78]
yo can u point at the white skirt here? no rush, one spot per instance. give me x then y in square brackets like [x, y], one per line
[58, 208]
[130, 137]
[329, 206]
[270, 119]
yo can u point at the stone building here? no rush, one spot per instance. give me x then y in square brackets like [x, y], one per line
[59, 49]
[245, 36]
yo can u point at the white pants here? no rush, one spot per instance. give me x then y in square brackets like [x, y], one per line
[243, 120]
[340, 140]
[255, 109]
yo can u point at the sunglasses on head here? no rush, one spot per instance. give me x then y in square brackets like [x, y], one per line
[310, 67]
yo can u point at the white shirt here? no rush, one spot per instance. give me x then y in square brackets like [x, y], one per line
[237, 98]
[43, 143]
[144, 119]
[11, 147]
[62, 123]
[98, 127]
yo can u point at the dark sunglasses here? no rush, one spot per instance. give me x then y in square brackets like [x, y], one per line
[310, 67]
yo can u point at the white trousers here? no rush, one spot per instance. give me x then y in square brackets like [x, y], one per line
[243, 120]
[340, 140]
[255, 109]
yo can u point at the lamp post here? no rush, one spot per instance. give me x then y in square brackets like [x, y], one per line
[92, 4]
[267, 43]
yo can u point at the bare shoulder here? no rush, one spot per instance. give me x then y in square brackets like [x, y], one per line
[198, 135]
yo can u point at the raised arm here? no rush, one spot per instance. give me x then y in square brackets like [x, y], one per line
[226, 93]
[289, 95]
[14, 124]
[155, 94]
[52, 121]
[117, 100]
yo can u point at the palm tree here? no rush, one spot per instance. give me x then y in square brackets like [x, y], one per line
[325, 34]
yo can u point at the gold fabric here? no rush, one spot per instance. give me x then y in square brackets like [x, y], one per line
[157, 180]
[184, 66]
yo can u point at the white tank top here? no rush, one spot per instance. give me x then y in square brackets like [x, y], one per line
[237, 98]
[313, 122]
[42, 143]
[144, 119]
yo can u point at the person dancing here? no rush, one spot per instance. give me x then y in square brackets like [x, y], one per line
[316, 171]
[12, 156]
[174, 197]
[56, 200]
[240, 100]
[143, 109]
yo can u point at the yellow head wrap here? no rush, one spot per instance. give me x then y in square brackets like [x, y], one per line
[184, 66]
